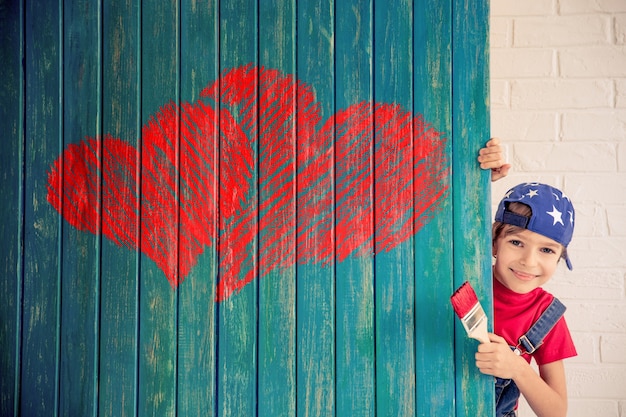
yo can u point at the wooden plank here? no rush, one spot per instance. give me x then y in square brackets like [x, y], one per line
[118, 381]
[237, 317]
[355, 339]
[158, 301]
[472, 237]
[43, 139]
[277, 213]
[395, 287]
[315, 305]
[197, 308]
[434, 319]
[11, 209]
[80, 269]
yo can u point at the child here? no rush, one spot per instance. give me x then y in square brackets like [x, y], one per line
[533, 226]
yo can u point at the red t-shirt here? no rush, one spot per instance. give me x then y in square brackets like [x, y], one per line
[514, 314]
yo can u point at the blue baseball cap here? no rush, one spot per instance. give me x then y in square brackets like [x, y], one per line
[552, 212]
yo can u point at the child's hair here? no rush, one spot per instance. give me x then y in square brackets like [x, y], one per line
[503, 229]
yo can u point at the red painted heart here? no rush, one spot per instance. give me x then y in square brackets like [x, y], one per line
[246, 170]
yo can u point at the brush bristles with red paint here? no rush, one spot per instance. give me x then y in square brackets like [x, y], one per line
[471, 313]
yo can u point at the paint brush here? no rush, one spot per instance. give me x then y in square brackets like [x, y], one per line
[471, 313]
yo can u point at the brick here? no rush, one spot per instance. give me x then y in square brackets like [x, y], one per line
[597, 383]
[523, 63]
[522, 8]
[586, 347]
[620, 99]
[590, 407]
[598, 252]
[560, 156]
[599, 316]
[591, 219]
[596, 6]
[620, 30]
[613, 348]
[610, 189]
[579, 283]
[499, 95]
[616, 219]
[575, 30]
[524, 126]
[500, 32]
[596, 61]
[594, 125]
[621, 157]
[561, 94]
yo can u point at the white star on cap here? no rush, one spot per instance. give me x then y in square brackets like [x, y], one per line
[532, 193]
[556, 215]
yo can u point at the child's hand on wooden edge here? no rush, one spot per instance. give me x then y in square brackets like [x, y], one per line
[492, 157]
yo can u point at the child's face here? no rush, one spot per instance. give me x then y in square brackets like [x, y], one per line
[525, 260]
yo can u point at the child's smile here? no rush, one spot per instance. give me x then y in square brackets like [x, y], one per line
[524, 276]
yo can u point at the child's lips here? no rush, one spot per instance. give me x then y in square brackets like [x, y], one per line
[524, 276]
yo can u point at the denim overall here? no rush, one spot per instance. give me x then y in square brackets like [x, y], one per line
[507, 392]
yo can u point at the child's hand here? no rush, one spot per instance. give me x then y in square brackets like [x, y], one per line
[497, 358]
[491, 157]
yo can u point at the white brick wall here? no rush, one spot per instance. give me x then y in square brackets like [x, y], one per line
[558, 101]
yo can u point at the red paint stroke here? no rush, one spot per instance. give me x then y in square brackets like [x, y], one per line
[248, 170]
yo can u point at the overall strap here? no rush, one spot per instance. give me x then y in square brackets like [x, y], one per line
[548, 319]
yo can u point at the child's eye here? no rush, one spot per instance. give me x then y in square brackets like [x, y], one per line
[547, 250]
[515, 242]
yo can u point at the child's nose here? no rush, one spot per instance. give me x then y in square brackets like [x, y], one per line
[529, 258]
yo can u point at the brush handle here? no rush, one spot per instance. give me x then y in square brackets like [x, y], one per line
[479, 332]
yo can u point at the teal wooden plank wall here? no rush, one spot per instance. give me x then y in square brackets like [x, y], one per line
[241, 208]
